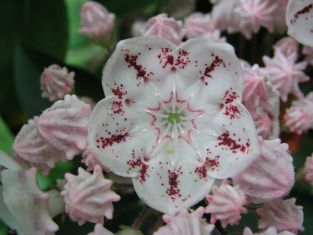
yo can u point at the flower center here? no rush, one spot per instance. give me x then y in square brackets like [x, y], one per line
[174, 118]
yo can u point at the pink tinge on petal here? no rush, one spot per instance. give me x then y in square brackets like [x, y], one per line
[270, 176]
[281, 214]
[96, 21]
[56, 82]
[185, 223]
[308, 170]
[226, 204]
[64, 125]
[299, 19]
[299, 117]
[88, 196]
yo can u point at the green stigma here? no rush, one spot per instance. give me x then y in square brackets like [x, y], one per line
[174, 118]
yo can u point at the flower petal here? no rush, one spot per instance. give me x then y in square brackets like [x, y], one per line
[136, 72]
[299, 18]
[172, 182]
[117, 134]
[213, 69]
[230, 145]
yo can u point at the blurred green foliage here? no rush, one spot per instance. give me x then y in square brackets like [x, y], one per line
[37, 33]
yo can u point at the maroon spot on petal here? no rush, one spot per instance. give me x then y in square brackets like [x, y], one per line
[230, 143]
[207, 73]
[173, 180]
[182, 59]
[118, 91]
[230, 109]
[116, 138]
[210, 163]
[140, 164]
[304, 10]
[142, 75]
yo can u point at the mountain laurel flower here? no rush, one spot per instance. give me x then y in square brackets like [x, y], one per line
[254, 14]
[281, 214]
[56, 82]
[270, 176]
[173, 119]
[164, 27]
[30, 148]
[299, 117]
[226, 204]
[88, 196]
[285, 74]
[198, 25]
[308, 52]
[64, 125]
[24, 207]
[299, 19]
[100, 230]
[96, 22]
[262, 101]
[185, 223]
[308, 169]
[287, 46]
[269, 231]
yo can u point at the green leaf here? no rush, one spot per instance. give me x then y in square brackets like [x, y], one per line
[6, 138]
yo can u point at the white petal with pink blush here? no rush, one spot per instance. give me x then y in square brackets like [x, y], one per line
[173, 119]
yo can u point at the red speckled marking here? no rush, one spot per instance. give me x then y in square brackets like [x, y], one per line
[230, 109]
[230, 143]
[140, 164]
[116, 138]
[207, 73]
[304, 10]
[167, 59]
[142, 75]
[118, 91]
[210, 163]
[173, 180]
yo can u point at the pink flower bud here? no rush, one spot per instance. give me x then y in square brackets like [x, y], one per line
[308, 169]
[299, 117]
[56, 82]
[96, 21]
[269, 231]
[287, 46]
[164, 27]
[32, 149]
[185, 223]
[226, 204]
[270, 176]
[281, 214]
[88, 196]
[198, 25]
[64, 125]
[308, 52]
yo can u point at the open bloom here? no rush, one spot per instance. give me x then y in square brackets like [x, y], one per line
[299, 19]
[185, 223]
[173, 119]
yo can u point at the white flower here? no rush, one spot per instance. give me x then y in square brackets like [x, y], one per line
[173, 119]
